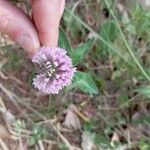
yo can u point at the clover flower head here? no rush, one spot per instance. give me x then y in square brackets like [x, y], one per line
[55, 70]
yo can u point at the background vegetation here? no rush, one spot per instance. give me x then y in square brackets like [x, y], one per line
[118, 118]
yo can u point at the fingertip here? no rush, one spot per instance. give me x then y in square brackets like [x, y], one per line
[46, 16]
[50, 38]
[18, 27]
[27, 42]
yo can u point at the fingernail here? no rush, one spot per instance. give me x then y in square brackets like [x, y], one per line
[27, 43]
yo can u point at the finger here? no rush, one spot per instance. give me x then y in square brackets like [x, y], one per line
[18, 26]
[46, 14]
[62, 7]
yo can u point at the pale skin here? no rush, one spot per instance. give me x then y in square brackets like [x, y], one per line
[31, 33]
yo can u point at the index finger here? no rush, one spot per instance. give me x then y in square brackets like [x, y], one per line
[46, 14]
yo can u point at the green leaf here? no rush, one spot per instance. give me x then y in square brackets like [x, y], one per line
[144, 91]
[80, 52]
[123, 100]
[108, 32]
[31, 141]
[77, 54]
[63, 41]
[74, 27]
[144, 144]
[84, 82]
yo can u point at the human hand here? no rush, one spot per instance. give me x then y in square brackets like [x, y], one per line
[43, 29]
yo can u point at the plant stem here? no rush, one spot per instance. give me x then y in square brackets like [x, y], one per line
[126, 43]
[110, 46]
[98, 36]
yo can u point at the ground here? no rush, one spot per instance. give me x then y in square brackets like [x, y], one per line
[115, 119]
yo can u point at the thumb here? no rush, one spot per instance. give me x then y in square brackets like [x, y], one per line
[18, 27]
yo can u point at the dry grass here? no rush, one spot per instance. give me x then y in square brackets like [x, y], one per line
[117, 118]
